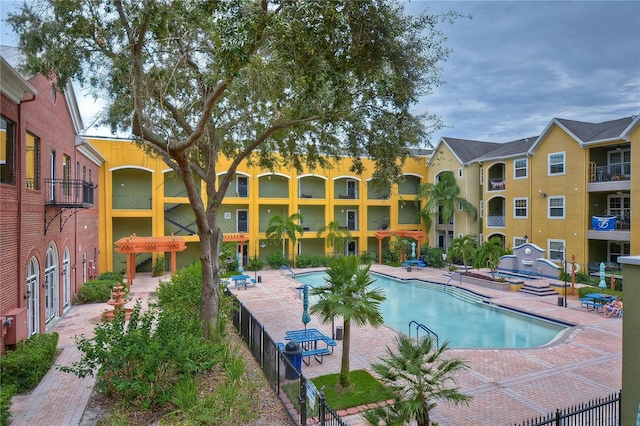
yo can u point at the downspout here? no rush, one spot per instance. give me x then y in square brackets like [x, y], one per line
[20, 294]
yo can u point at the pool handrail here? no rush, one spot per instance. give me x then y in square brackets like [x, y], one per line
[451, 277]
[286, 268]
[425, 328]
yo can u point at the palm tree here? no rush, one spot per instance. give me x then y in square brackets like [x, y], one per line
[335, 236]
[418, 375]
[345, 294]
[442, 198]
[280, 228]
[489, 254]
[464, 247]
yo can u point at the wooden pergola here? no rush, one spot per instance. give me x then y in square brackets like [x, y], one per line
[416, 235]
[134, 244]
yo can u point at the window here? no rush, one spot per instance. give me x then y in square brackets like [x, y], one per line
[7, 141]
[556, 250]
[618, 248]
[460, 172]
[620, 162]
[520, 169]
[481, 175]
[520, 207]
[66, 174]
[32, 162]
[556, 163]
[481, 209]
[518, 241]
[556, 207]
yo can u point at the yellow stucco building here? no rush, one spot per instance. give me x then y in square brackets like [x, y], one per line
[142, 195]
[548, 190]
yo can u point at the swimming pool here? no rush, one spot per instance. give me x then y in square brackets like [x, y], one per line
[456, 315]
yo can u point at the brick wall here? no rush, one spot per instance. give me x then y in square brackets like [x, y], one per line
[24, 217]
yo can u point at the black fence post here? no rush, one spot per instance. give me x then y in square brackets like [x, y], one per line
[321, 408]
[303, 400]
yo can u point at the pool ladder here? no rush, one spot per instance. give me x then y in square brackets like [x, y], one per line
[430, 333]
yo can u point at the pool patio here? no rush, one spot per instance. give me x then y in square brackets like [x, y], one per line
[507, 385]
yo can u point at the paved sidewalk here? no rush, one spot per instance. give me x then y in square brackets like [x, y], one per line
[61, 398]
[507, 385]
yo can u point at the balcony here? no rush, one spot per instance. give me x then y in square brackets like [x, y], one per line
[497, 184]
[496, 220]
[69, 193]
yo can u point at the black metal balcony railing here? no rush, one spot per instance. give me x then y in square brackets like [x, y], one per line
[611, 172]
[68, 192]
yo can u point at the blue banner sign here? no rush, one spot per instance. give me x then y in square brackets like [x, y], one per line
[603, 223]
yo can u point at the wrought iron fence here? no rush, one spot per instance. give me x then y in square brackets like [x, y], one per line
[297, 393]
[597, 412]
[69, 192]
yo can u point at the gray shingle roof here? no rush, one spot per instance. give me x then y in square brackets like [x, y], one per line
[590, 132]
[468, 150]
[509, 149]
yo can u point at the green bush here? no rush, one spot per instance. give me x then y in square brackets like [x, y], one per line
[140, 361]
[255, 264]
[275, 260]
[432, 256]
[6, 393]
[583, 291]
[27, 365]
[310, 260]
[365, 258]
[112, 276]
[95, 291]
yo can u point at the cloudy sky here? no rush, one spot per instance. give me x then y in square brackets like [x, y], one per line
[516, 65]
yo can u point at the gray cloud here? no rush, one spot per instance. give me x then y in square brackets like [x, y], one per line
[518, 64]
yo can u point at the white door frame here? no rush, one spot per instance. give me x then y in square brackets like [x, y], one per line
[51, 284]
[33, 297]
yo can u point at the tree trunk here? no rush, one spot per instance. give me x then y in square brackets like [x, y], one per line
[210, 300]
[345, 377]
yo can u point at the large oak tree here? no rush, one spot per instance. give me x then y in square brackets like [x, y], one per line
[196, 80]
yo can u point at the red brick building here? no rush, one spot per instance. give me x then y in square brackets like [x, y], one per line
[48, 203]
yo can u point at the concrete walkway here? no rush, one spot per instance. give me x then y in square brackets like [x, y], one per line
[507, 385]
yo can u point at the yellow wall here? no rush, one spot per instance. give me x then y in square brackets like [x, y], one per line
[444, 160]
[125, 154]
[572, 185]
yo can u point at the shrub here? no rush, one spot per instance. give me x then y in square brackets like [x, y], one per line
[95, 291]
[432, 256]
[255, 264]
[27, 365]
[159, 266]
[310, 260]
[6, 393]
[113, 276]
[275, 260]
[140, 361]
[365, 258]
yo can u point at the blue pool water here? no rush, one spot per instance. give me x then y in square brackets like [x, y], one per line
[454, 315]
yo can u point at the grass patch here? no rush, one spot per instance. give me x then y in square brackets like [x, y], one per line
[365, 389]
